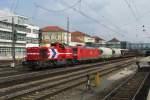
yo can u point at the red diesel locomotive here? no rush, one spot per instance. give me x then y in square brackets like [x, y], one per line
[59, 54]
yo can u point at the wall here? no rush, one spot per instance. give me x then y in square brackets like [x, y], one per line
[56, 37]
[89, 39]
[77, 38]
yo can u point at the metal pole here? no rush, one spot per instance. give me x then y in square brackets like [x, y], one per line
[13, 44]
[68, 30]
[40, 37]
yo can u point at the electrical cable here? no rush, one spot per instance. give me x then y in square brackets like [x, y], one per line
[93, 19]
[62, 10]
[136, 10]
[134, 14]
[115, 26]
[132, 11]
[83, 14]
[70, 7]
[16, 6]
[13, 6]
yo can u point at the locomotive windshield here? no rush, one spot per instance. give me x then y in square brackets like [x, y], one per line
[74, 50]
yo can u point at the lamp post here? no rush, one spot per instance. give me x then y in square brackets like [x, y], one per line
[13, 43]
[40, 37]
[68, 31]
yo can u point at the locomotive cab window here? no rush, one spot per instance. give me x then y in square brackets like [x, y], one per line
[75, 50]
[43, 52]
[62, 46]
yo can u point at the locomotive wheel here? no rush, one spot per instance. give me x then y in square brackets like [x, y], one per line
[54, 63]
[75, 62]
[69, 62]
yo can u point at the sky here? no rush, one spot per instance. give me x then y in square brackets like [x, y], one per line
[123, 19]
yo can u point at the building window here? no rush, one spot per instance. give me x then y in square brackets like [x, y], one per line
[28, 30]
[32, 40]
[21, 37]
[8, 36]
[5, 51]
[5, 35]
[35, 31]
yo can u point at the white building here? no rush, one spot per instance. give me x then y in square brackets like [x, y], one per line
[32, 35]
[6, 37]
[88, 38]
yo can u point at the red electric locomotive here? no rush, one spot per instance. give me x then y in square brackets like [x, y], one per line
[82, 53]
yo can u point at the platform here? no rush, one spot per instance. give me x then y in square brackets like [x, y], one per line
[148, 97]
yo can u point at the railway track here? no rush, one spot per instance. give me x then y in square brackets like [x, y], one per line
[128, 89]
[7, 71]
[39, 85]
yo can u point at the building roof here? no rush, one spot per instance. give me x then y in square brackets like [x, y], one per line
[78, 33]
[87, 35]
[53, 29]
[114, 40]
[97, 37]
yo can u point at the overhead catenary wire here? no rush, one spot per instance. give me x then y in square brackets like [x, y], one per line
[95, 20]
[62, 10]
[85, 15]
[134, 13]
[81, 13]
[34, 18]
[91, 18]
[131, 9]
[135, 7]
[137, 13]
[114, 25]
[14, 5]
[140, 17]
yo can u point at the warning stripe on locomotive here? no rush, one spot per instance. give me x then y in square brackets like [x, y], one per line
[32, 53]
[54, 53]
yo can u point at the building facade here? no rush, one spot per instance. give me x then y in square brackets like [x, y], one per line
[99, 40]
[51, 34]
[6, 38]
[77, 38]
[88, 38]
[113, 43]
[32, 36]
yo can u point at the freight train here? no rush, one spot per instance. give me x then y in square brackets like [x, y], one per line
[58, 54]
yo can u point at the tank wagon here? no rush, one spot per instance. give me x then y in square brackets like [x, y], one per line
[111, 52]
[116, 52]
[106, 52]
